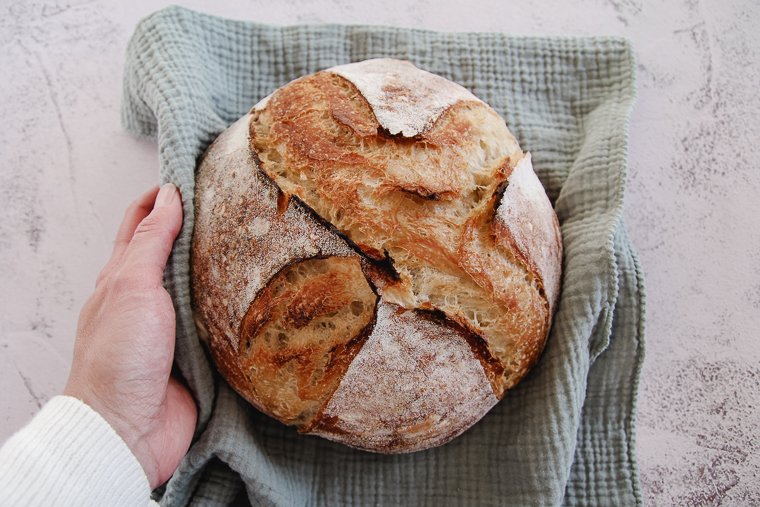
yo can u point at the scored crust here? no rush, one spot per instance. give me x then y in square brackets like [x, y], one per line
[397, 192]
[397, 394]
[404, 99]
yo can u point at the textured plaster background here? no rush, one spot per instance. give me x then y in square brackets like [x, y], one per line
[67, 172]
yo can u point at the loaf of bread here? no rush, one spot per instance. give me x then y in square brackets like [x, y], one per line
[374, 260]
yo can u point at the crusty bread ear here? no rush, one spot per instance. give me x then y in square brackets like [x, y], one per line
[301, 333]
[374, 259]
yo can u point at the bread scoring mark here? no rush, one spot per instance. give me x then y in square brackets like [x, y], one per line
[526, 223]
[302, 329]
[479, 235]
[405, 100]
[377, 257]
[380, 263]
[233, 256]
[391, 397]
[492, 367]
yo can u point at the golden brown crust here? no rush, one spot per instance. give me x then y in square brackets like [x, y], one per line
[526, 225]
[393, 192]
[291, 350]
[437, 193]
[240, 241]
[405, 100]
[415, 384]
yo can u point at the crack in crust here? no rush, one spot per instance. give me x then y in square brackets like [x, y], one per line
[426, 204]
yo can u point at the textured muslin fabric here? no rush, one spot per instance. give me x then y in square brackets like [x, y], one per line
[566, 433]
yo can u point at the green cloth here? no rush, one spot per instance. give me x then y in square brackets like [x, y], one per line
[566, 434]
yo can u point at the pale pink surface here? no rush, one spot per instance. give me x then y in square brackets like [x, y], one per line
[69, 171]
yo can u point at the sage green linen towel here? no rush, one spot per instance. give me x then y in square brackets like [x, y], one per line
[565, 435]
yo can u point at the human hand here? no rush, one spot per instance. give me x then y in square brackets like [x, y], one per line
[125, 341]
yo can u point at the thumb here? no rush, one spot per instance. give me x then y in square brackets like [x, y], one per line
[147, 252]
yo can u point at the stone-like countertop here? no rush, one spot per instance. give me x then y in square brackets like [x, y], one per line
[68, 171]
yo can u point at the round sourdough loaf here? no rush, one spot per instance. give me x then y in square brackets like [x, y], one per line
[374, 260]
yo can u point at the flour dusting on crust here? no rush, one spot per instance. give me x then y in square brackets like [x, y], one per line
[407, 379]
[245, 239]
[397, 394]
[406, 100]
[529, 224]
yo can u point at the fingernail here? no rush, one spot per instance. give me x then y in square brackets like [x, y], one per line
[166, 195]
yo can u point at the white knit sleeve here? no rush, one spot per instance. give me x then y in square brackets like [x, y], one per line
[69, 455]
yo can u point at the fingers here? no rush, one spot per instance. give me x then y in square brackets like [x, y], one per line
[145, 255]
[135, 213]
